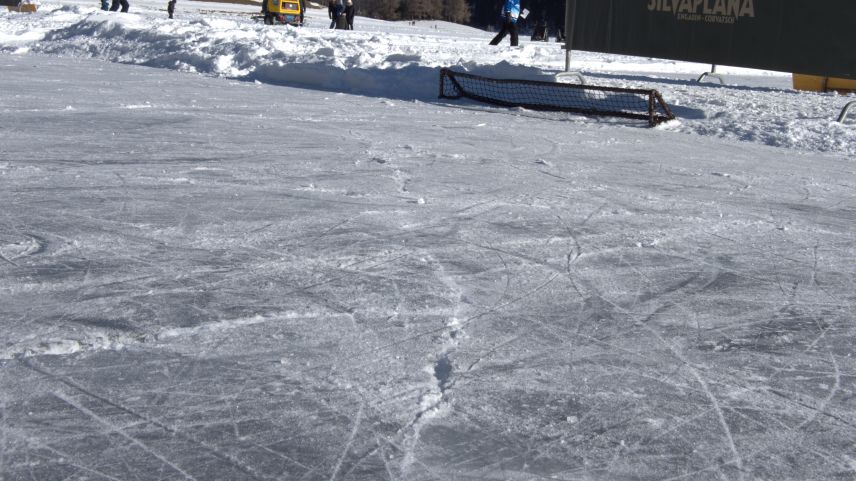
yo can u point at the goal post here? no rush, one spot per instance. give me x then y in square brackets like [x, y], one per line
[570, 11]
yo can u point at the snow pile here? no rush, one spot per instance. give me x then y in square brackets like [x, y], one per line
[401, 61]
[367, 63]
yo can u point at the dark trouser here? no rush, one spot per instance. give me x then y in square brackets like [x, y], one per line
[170, 7]
[117, 3]
[349, 16]
[507, 27]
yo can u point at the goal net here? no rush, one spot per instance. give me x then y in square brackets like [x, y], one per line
[642, 104]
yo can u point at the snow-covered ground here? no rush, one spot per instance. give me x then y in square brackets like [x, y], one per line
[254, 273]
[398, 60]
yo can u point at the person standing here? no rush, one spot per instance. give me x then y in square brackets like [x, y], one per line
[334, 9]
[170, 7]
[349, 13]
[539, 33]
[510, 13]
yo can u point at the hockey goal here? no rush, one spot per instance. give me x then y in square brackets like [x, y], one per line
[642, 104]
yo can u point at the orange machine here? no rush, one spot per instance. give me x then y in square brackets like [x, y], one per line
[282, 11]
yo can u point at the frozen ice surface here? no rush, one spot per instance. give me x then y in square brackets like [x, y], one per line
[210, 279]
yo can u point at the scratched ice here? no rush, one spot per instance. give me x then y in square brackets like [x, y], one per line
[210, 279]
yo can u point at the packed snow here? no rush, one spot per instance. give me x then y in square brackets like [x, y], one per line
[232, 251]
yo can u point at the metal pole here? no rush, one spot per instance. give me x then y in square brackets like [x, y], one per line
[570, 11]
[846, 111]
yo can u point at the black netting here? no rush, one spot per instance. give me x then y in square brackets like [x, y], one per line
[584, 99]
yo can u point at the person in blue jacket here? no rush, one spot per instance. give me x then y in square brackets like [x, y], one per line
[510, 13]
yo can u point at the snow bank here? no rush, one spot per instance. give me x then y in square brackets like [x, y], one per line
[366, 63]
[401, 61]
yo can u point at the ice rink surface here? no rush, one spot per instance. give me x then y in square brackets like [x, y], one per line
[216, 279]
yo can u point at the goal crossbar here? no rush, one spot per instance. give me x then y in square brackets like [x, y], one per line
[642, 104]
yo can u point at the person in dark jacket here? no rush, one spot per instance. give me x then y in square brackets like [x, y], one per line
[170, 8]
[349, 13]
[334, 9]
[510, 12]
[539, 33]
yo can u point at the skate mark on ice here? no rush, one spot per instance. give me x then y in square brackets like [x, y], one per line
[369, 453]
[118, 430]
[280, 455]
[821, 409]
[794, 398]
[728, 437]
[469, 320]
[384, 457]
[350, 442]
[380, 437]
[738, 461]
[2, 257]
[68, 458]
[3, 435]
[29, 363]
[489, 352]
[347, 272]
[335, 226]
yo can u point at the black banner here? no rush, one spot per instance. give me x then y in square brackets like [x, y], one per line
[802, 36]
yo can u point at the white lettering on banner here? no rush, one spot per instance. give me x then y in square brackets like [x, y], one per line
[710, 11]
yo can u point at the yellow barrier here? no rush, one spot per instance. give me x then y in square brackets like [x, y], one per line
[816, 83]
[24, 7]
